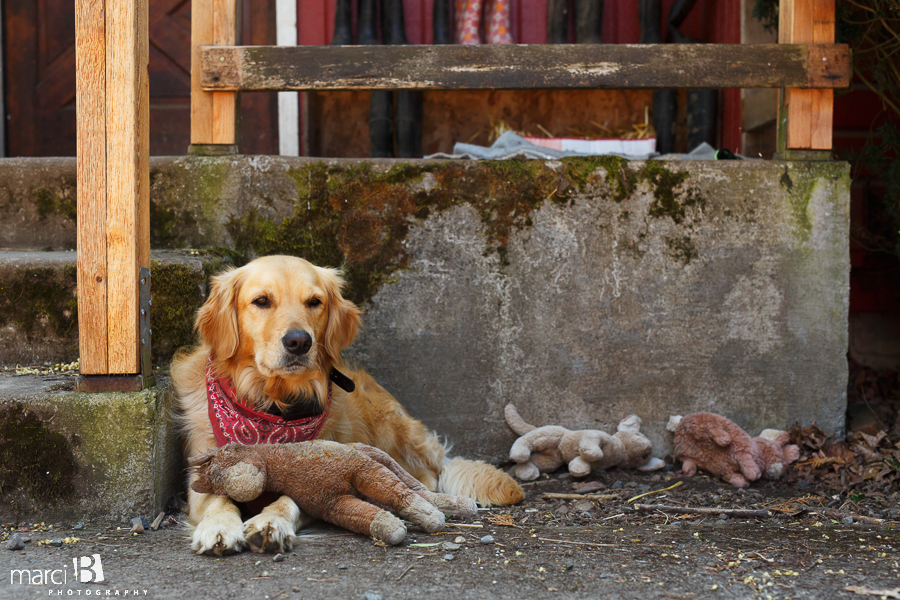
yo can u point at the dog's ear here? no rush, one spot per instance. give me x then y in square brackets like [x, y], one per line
[217, 319]
[202, 485]
[343, 315]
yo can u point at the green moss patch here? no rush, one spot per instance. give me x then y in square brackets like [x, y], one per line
[358, 216]
[36, 464]
[56, 201]
[176, 291]
[40, 301]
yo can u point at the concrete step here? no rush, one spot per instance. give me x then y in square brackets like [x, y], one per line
[39, 306]
[80, 457]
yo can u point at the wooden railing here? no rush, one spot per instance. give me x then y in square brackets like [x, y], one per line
[113, 171]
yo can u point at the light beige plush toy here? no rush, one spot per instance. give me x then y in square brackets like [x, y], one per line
[545, 449]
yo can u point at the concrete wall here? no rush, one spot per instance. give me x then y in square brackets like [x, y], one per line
[606, 310]
[582, 290]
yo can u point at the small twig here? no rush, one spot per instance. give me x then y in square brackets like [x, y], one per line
[578, 543]
[840, 515]
[157, 521]
[601, 497]
[470, 525]
[332, 580]
[613, 517]
[405, 571]
[671, 487]
[731, 512]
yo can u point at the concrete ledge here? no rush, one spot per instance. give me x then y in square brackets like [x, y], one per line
[39, 307]
[70, 456]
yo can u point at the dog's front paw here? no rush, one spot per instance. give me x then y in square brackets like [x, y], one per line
[218, 535]
[270, 533]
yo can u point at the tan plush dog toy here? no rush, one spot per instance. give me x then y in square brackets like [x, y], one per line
[545, 449]
[717, 445]
[328, 481]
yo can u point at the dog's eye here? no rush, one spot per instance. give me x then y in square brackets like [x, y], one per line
[261, 302]
[313, 302]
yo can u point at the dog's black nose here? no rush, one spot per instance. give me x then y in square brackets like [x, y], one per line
[297, 341]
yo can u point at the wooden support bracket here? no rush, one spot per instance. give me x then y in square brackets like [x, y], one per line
[805, 115]
[214, 115]
[112, 103]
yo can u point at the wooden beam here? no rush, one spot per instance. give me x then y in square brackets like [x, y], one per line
[127, 179]
[609, 66]
[90, 98]
[807, 114]
[213, 114]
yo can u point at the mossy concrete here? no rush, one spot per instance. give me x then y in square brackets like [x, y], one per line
[582, 289]
[74, 456]
[39, 304]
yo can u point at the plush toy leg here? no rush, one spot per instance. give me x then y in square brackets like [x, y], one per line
[455, 505]
[359, 516]
[527, 471]
[688, 467]
[384, 488]
[273, 529]
[579, 467]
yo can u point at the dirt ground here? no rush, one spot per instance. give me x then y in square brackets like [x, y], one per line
[812, 544]
[830, 528]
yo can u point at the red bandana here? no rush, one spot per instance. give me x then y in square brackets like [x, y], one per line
[235, 423]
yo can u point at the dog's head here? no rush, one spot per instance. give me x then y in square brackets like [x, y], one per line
[276, 325]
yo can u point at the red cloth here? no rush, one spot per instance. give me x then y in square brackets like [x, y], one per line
[234, 423]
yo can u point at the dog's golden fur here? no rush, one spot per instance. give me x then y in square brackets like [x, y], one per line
[242, 326]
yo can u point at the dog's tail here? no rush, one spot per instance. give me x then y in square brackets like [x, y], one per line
[487, 485]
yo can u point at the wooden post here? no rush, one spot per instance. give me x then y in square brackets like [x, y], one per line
[112, 100]
[805, 115]
[214, 115]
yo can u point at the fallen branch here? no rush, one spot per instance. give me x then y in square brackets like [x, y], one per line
[579, 543]
[840, 515]
[864, 591]
[601, 497]
[731, 512]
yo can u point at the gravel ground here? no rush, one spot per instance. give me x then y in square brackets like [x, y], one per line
[812, 544]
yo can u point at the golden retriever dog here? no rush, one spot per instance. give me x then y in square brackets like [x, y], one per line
[271, 335]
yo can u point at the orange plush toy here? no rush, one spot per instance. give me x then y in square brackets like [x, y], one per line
[715, 444]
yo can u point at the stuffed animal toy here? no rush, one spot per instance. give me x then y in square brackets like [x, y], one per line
[329, 481]
[545, 449]
[717, 445]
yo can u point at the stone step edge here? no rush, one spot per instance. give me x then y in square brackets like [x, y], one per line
[38, 304]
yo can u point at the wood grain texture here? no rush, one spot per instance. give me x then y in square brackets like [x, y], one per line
[809, 112]
[224, 103]
[90, 59]
[202, 34]
[126, 101]
[605, 66]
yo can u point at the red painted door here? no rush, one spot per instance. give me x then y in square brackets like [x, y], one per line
[39, 67]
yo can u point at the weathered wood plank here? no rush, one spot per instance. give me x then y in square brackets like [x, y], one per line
[202, 34]
[610, 66]
[90, 66]
[126, 114]
[808, 112]
[224, 103]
